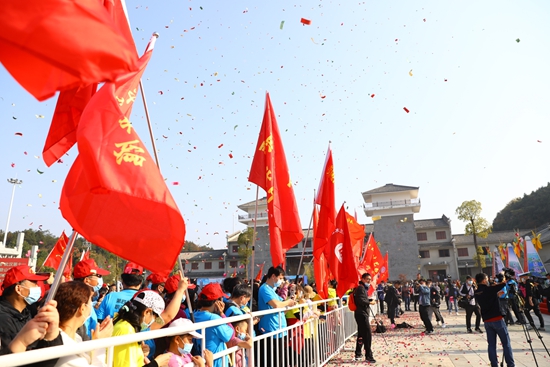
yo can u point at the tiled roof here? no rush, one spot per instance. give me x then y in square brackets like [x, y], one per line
[494, 237]
[390, 188]
[431, 223]
[261, 201]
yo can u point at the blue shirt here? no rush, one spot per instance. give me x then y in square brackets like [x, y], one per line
[215, 337]
[424, 295]
[113, 302]
[91, 323]
[269, 323]
[233, 310]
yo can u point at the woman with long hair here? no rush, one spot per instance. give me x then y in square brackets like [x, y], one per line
[138, 314]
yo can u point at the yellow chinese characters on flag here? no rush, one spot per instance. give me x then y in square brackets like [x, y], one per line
[114, 194]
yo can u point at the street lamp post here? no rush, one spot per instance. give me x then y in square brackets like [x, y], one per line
[224, 264]
[14, 182]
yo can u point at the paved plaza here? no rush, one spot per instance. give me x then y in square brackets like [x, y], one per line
[446, 347]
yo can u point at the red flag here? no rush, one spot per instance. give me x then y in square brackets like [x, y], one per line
[71, 103]
[384, 269]
[114, 194]
[85, 255]
[260, 273]
[269, 170]
[357, 234]
[54, 45]
[372, 261]
[327, 211]
[54, 257]
[342, 261]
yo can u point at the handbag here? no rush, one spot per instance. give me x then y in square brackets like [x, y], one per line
[463, 302]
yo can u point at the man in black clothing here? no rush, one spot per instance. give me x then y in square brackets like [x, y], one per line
[361, 314]
[528, 291]
[487, 298]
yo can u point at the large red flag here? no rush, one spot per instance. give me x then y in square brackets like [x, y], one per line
[114, 194]
[341, 262]
[357, 234]
[327, 212]
[71, 103]
[54, 45]
[269, 170]
[372, 261]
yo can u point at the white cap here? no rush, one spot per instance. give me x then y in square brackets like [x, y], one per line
[185, 323]
[150, 299]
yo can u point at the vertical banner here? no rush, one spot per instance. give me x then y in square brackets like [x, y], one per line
[534, 262]
[499, 265]
[513, 261]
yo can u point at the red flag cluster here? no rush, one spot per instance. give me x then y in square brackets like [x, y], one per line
[114, 194]
[54, 257]
[269, 170]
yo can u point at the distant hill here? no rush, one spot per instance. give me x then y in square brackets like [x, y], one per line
[530, 211]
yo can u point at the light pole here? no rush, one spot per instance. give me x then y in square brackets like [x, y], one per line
[14, 182]
[224, 264]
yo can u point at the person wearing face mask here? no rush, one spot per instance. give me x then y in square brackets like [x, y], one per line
[241, 339]
[139, 313]
[89, 273]
[74, 304]
[240, 296]
[268, 299]
[19, 291]
[361, 315]
[180, 346]
[527, 290]
[468, 290]
[210, 307]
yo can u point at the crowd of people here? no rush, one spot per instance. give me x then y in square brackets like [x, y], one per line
[85, 308]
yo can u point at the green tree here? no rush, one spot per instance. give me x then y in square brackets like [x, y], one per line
[245, 240]
[470, 212]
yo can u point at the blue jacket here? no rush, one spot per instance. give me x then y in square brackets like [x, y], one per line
[424, 295]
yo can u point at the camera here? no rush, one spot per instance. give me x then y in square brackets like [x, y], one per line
[509, 273]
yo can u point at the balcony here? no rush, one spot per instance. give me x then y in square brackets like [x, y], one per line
[247, 218]
[371, 208]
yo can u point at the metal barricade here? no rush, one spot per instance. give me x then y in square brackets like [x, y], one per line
[308, 342]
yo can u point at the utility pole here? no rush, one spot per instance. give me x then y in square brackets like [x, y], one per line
[15, 182]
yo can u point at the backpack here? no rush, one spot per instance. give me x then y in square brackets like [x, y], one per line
[351, 301]
[380, 328]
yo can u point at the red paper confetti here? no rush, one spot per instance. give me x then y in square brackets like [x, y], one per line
[19, 134]
[175, 183]
[305, 21]
[372, 95]
[230, 155]
[161, 92]
[406, 109]
[219, 146]
[13, 165]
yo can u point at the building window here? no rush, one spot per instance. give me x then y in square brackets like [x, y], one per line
[462, 251]
[233, 264]
[308, 244]
[444, 253]
[208, 265]
[235, 249]
[221, 265]
[440, 235]
[422, 236]
[425, 254]
[195, 266]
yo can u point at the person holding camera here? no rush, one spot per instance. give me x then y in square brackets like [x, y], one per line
[487, 298]
[512, 294]
[361, 314]
[529, 293]
[467, 291]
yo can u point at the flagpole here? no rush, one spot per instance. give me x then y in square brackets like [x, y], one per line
[62, 265]
[305, 241]
[147, 117]
[182, 273]
[254, 239]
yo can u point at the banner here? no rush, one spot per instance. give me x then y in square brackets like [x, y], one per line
[499, 264]
[536, 267]
[514, 263]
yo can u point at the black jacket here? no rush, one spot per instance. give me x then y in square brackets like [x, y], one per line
[391, 297]
[362, 302]
[11, 322]
[487, 299]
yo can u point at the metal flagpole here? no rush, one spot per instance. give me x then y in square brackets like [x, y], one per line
[62, 265]
[182, 273]
[304, 247]
[148, 119]
[254, 240]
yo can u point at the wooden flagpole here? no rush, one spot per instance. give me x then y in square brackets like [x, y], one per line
[64, 260]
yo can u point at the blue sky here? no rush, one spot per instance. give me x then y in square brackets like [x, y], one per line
[477, 100]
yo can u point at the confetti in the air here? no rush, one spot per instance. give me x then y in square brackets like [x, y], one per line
[406, 109]
[282, 24]
[305, 21]
[19, 134]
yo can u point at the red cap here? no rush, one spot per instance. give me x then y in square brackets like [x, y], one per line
[211, 292]
[133, 268]
[20, 273]
[157, 279]
[171, 285]
[86, 268]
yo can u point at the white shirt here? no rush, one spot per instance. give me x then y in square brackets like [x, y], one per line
[80, 360]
